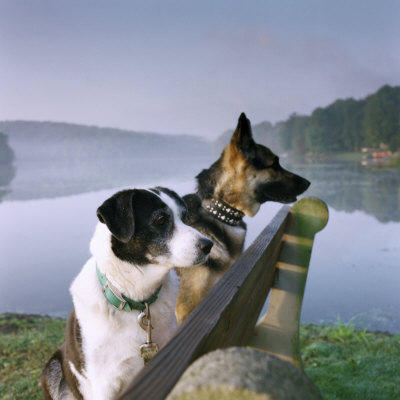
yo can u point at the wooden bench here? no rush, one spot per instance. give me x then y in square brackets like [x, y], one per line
[276, 264]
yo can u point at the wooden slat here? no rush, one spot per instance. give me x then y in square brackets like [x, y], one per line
[278, 331]
[224, 318]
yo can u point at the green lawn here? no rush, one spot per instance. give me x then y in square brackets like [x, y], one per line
[351, 364]
[343, 362]
[26, 343]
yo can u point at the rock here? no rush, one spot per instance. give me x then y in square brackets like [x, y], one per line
[243, 373]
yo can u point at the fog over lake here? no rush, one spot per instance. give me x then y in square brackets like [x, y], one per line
[48, 215]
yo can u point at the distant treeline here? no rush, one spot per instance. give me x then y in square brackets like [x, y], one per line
[347, 125]
[55, 141]
[7, 169]
[6, 153]
[264, 133]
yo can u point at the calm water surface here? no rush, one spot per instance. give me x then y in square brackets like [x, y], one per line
[355, 266]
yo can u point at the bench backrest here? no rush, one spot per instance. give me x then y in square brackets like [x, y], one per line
[278, 259]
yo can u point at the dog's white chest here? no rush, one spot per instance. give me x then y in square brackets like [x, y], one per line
[111, 338]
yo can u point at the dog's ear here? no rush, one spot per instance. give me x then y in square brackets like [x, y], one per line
[243, 138]
[117, 213]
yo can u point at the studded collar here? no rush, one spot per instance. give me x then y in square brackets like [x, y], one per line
[223, 211]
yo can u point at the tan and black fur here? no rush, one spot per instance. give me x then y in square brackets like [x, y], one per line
[60, 378]
[246, 175]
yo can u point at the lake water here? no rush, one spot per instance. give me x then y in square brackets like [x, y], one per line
[355, 266]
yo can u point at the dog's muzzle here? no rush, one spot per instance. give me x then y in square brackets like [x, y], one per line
[205, 245]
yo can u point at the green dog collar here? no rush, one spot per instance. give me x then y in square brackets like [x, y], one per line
[122, 302]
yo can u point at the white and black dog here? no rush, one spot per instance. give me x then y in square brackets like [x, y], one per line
[139, 239]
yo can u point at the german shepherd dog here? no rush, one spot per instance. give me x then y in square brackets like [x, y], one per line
[246, 175]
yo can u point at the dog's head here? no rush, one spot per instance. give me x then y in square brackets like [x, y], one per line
[146, 227]
[249, 174]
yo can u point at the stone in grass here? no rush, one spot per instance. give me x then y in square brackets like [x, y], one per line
[243, 373]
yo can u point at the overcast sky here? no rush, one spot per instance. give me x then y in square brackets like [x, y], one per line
[191, 66]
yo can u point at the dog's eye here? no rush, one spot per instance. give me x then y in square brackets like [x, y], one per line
[258, 163]
[160, 219]
[275, 164]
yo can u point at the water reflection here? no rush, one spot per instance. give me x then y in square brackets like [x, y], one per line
[7, 168]
[38, 179]
[351, 187]
[344, 186]
[7, 174]
[352, 272]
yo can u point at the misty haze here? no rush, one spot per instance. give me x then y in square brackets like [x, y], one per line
[54, 176]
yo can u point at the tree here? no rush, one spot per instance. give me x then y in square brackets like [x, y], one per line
[6, 153]
[382, 118]
[346, 125]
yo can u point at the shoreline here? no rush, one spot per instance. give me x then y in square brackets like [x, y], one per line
[24, 316]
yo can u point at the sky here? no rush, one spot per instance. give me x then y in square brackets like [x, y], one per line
[185, 66]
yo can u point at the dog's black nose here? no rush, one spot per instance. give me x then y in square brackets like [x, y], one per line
[305, 184]
[205, 245]
[301, 184]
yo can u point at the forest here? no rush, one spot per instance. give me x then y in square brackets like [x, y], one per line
[343, 126]
[347, 125]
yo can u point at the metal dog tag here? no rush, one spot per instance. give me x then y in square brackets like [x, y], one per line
[149, 349]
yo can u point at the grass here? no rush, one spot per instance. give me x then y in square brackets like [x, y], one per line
[345, 363]
[391, 161]
[26, 344]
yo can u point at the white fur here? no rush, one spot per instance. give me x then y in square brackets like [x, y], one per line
[182, 242]
[111, 338]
